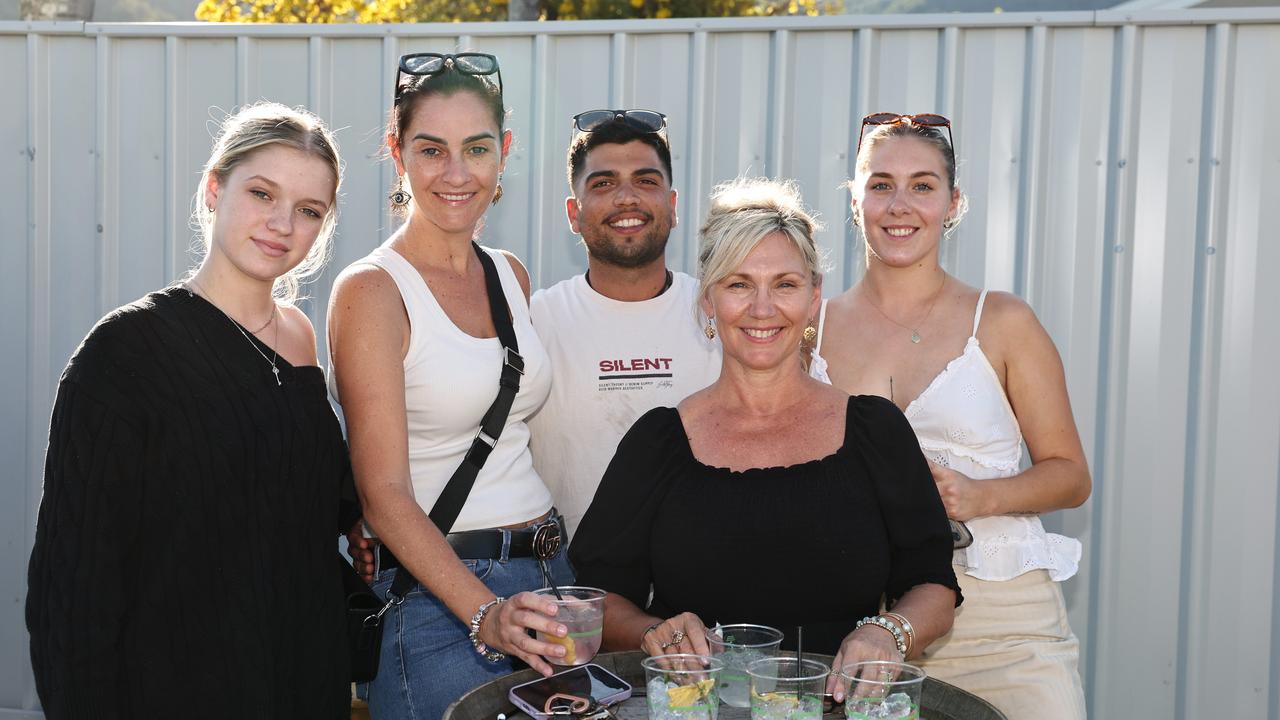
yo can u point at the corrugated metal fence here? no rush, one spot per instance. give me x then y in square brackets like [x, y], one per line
[1120, 168]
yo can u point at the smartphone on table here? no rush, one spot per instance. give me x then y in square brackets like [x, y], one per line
[590, 682]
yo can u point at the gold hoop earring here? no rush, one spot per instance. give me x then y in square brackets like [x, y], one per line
[710, 329]
[400, 197]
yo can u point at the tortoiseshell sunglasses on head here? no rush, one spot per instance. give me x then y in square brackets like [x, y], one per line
[922, 120]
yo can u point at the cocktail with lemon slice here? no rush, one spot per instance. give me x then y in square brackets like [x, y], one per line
[785, 688]
[682, 687]
[581, 610]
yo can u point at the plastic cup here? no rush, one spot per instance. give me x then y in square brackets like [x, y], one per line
[582, 612]
[739, 646]
[882, 690]
[682, 686]
[787, 688]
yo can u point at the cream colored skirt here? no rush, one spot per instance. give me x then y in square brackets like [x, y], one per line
[1012, 646]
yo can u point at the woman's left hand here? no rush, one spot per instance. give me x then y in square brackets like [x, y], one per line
[867, 643]
[961, 495]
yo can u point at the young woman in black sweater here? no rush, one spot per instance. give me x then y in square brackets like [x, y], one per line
[184, 562]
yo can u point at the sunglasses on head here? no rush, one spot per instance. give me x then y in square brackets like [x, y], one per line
[922, 120]
[435, 63]
[646, 121]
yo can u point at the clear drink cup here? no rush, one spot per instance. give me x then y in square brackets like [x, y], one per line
[787, 688]
[682, 686]
[582, 612]
[738, 646]
[882, 690]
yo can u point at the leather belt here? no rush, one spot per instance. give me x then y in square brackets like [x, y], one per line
[541, 541]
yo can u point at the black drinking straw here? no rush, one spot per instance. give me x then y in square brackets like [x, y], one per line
[546, 574]
[799, 663]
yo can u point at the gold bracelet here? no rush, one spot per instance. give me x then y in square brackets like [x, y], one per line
[906, 628]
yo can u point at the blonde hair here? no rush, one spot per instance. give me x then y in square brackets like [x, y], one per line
[259, 126]
[744, 212]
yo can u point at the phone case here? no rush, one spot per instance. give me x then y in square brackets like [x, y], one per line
[575, 678]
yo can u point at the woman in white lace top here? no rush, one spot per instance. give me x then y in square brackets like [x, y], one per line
[976, 375]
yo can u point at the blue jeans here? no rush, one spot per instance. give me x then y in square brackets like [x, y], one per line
[427, 659]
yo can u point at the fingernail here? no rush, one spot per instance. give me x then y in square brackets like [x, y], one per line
[562, 630]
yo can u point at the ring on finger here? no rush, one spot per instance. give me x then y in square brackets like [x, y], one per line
[677, 637]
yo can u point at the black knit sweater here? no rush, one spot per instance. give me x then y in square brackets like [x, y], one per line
[184, 555]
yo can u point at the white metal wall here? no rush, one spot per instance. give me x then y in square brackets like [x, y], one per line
[1120, 168]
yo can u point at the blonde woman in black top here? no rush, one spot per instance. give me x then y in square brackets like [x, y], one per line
[184, 562]
[768, 497]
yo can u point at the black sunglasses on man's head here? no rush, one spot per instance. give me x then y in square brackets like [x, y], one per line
[435, 63]
[646, 121]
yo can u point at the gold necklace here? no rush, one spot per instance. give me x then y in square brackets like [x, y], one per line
[275, 355]
[915, 332]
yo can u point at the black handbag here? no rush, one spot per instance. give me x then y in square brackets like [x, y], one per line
[364, 626]
[364, 609]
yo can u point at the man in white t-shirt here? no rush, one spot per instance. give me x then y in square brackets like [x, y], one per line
[623, 337]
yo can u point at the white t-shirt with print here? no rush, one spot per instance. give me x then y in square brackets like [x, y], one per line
[611, 361]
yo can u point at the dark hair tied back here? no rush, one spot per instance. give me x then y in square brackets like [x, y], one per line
[445, 84]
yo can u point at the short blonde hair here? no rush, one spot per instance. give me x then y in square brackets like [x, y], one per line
[259, 126]
[744, 212]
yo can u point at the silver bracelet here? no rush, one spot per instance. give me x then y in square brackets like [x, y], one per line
[889, 626]
[490, 655]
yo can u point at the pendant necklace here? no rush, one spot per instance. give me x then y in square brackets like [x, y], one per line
[275, 370]
[915, 332]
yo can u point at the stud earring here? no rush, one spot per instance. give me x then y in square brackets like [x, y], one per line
[810, 334]
[399, 197]
[497, 194]
[710, 330]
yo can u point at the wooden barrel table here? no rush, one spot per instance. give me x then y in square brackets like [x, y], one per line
[939, 700]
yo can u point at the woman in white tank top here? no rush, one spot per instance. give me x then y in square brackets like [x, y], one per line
[416, 365]
[976, 375]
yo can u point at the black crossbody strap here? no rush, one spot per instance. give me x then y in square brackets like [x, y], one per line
[455, 493]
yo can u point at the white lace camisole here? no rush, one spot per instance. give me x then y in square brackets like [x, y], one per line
[963, 421]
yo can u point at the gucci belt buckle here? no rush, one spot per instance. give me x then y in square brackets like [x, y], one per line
[546, 540]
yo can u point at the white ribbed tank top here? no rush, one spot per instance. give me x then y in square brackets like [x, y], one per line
[451, 379]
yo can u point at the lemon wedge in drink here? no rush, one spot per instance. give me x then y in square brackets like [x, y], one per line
[570, 648]
[688, 695]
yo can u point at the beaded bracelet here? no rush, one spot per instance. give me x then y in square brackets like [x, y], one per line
[906, 628]
[492, 656]
[888, 626]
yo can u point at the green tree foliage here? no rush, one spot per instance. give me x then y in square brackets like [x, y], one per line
[410, 11]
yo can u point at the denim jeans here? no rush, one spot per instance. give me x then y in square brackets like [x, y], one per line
[427, 659]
